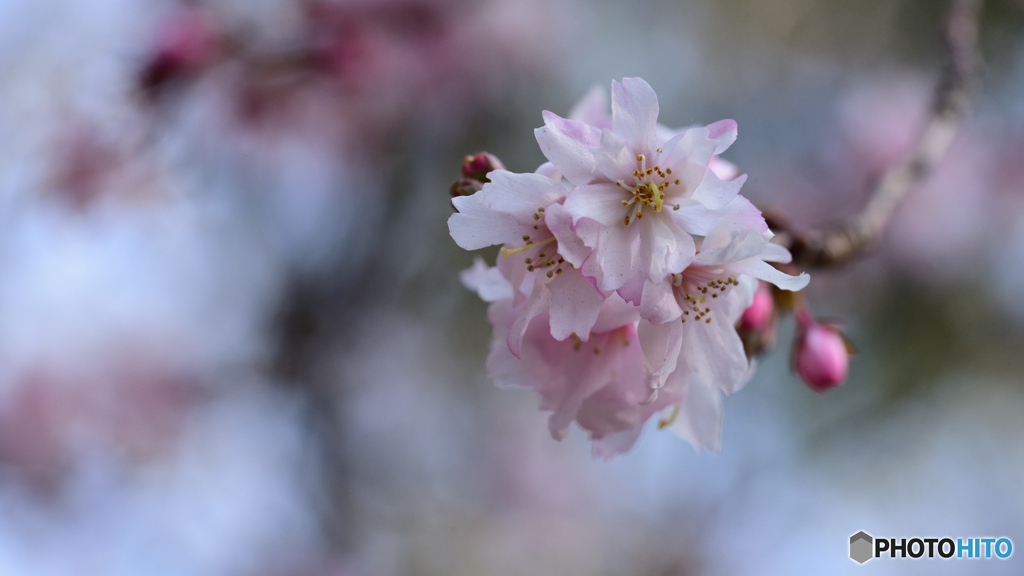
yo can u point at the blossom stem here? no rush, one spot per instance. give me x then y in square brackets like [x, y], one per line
[823, 248]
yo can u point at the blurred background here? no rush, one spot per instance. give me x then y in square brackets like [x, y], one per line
[233, 340]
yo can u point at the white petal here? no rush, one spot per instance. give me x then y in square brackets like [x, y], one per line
[476, 225]
[688, 155]
[599, 202]
[486, 281]
[717, 249]
[716, 193]
[712, 351]
[666, 248]
[699, 420]
[575, 304]
[568, 145]
[776, 253]
[549, 170]
[502, 212]
[763, 271]
[615, 158]
[520, 194]
[635, 113]
[695, 217]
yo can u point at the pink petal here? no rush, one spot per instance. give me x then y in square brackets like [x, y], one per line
[615, 255]
[635, 113]
[567, 144]
[658, 303]
[660, 344]
[615, 312]
[723, 168]
[593, 109]
[601, 203]
[535, 304]
[723, 134]
[615, 158]
[575, 305]
[570, 246]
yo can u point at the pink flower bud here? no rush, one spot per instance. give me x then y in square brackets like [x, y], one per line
[759, 314]
[185, 42]
[822, 357]
[465, 187]
[476, 166]
[187, 39]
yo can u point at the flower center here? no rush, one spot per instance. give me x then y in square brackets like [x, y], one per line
[702, 289]
[647, 189]
[539, 260]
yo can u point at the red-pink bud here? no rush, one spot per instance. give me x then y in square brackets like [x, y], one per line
[822, 357]
[476, 166]
[185, 42]
[187, 39]
[759, 314]
[465, 187]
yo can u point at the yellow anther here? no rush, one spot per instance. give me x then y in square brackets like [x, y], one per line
[662, 424]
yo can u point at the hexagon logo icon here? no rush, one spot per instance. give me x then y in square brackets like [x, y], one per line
[861, 545]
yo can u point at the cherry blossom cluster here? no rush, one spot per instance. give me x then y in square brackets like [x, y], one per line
[626, 262]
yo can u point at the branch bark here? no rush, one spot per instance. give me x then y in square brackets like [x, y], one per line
[830, 247]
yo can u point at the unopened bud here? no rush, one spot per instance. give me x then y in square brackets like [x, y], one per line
[185, 41]
[758, 326]
[821, 357]
[476, 166]
[759, 314]
[465, 187]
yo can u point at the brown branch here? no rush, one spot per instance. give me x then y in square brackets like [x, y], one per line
[821, 248]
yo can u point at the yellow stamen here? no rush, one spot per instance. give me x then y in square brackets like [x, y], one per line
[508, 252]
[662, 424]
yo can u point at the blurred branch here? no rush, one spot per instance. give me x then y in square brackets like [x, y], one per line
[829, 247]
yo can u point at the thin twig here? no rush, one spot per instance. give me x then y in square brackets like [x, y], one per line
[821, 248]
